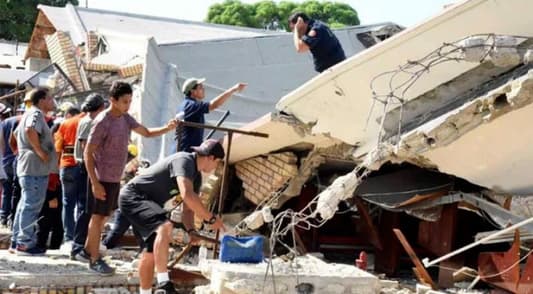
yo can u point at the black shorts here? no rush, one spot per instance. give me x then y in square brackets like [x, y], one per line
[144, 215]
[107, 206]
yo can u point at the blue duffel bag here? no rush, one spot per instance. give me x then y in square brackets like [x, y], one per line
[241, 249]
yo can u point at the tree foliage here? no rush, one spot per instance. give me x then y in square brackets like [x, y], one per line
[270, 15]
[17, 17]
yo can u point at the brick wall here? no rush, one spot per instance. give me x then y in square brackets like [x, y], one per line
[61, 50]
[92, 46]
[264, 175]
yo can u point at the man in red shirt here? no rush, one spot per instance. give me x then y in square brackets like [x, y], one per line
[74, 188]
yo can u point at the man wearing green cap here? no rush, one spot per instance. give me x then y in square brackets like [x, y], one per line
[193, 108]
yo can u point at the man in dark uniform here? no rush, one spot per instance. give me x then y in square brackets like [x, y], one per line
[193, 109]
[315, 36]
[141, 201]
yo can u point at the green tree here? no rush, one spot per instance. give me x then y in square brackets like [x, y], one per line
[270, 15]
[17, 17]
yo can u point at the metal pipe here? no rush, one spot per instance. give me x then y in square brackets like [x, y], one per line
[224, 185]
[12, 94]
[427, 263]
[197, 125]
[219, 122]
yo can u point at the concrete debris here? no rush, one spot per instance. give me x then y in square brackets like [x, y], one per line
[299, 127]
[310, 163]
[474, 48]
[250, 278]
[341, 189]
[449, 127]
[254, 220]
[57, 269]
[505, 52]
[528, 56]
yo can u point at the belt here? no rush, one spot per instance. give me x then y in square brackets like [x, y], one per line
[68, 149]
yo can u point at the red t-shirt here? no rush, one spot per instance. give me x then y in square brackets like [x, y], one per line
[65, 138]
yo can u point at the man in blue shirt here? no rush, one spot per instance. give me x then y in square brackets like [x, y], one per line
[193, 108]
[315, 36]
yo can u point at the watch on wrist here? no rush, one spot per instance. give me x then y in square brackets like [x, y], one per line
[211, 221]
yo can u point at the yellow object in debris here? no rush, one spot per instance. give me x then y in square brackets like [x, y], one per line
[132, 150]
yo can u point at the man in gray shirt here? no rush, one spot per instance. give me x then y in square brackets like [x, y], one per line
[36, 159]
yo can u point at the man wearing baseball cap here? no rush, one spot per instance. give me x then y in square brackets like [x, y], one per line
[142, 199]
[193, 108]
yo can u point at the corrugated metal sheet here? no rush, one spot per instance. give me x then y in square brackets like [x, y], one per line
[162, 29]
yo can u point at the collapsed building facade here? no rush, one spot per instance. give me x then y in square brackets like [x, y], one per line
[425, 133]
[421, 140]
[77, 51]
[433, 125]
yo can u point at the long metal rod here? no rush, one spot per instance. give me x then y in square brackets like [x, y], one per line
[219, 122]
[427, 263]
[224, 187]
[12, 94]
[197, 125]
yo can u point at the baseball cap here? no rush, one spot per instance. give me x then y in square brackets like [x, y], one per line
[191, 83]
[92, 102]
[210, 147]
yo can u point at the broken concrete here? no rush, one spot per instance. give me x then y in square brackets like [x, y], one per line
[324, 278]
[56, 269]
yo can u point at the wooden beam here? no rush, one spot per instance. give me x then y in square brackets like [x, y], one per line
[420, 271]
[365, 216]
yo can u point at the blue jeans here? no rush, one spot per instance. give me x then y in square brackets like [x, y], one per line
[33, 195]
[7, 192]
[74, 186]
[85, 210]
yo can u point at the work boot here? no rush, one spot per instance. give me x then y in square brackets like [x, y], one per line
[165, 288]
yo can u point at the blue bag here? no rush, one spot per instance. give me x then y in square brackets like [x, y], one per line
[241, 249]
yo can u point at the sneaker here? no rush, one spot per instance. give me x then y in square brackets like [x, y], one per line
[81, 256]
[33, 251]
[66, 246]
[101, 267]
[165, 288]
[12, 248]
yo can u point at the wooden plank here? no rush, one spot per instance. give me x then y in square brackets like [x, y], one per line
[423, 275]
[180, 255]
[365, 216]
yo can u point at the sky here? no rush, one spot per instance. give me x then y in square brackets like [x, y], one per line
[402, 12]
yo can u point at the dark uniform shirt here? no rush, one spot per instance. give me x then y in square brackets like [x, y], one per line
[324, 46]
[193, 111]
[158, 182]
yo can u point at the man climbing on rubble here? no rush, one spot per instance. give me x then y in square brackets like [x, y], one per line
[142, 200]
[192, 109]
[315, 36]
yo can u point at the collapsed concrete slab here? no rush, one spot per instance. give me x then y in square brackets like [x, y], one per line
[287, 277]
